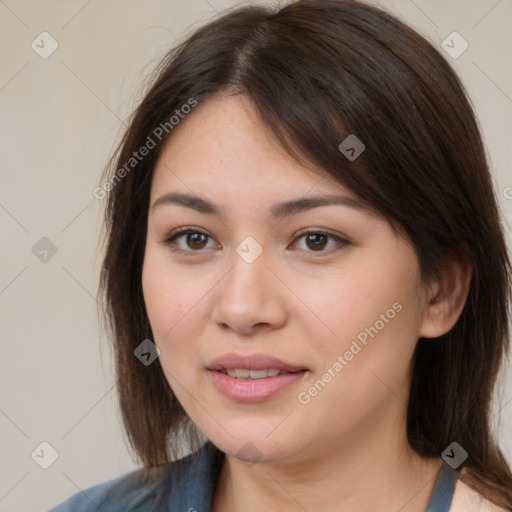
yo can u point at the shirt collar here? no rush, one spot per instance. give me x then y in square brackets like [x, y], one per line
[191, 483]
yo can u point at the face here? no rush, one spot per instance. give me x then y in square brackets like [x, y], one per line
[284, 331]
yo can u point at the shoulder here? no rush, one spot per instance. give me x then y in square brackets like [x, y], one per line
[466, 499]
[137, 492]
[128, 492]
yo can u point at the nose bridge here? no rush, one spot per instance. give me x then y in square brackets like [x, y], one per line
[247, 296]
[246, 283]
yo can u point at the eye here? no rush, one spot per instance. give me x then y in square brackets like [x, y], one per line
[188, 240]
[193, 240]
[317, 241]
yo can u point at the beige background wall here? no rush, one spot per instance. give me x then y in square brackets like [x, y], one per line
[59, 119]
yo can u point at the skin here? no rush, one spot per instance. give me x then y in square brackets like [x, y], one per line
[346, 449]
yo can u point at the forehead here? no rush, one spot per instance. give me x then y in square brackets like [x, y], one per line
[224, 144]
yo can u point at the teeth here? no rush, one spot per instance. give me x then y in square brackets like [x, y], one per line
[243, 373]
[238, 373]
[261, 374]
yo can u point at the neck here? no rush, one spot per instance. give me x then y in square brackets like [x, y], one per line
[373, 472]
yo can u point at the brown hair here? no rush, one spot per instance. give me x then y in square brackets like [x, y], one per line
[317, 71]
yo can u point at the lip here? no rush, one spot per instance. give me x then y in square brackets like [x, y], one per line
[253, 390]
[252, 362]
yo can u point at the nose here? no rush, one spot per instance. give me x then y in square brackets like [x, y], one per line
[250, 299]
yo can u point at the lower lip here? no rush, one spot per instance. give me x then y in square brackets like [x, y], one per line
[253, 390]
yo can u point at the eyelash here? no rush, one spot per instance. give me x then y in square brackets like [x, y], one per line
[168, 241]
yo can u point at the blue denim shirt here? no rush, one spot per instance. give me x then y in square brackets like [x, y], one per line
[188, 485]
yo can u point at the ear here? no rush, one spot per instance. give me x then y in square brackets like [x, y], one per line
[446, 297]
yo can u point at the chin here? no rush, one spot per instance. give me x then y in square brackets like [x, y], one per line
[254, 445]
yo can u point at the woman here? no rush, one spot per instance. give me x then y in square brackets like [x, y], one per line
[305, 275]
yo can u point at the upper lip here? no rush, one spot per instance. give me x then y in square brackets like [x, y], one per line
[252, 362]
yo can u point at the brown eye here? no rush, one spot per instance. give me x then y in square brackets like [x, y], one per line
[187, 240]
[316, 241]
[320, 242]
[196, 240]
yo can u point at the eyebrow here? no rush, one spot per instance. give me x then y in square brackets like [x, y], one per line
[283, 209]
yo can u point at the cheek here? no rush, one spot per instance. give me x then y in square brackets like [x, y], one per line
[347, 303]
[372, 315]
[174, 312]
[172, 301]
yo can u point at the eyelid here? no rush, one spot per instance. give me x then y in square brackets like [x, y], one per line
[185, 229]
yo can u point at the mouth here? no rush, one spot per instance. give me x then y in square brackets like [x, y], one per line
[254, 378]
[252, 363]
[245, 373]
